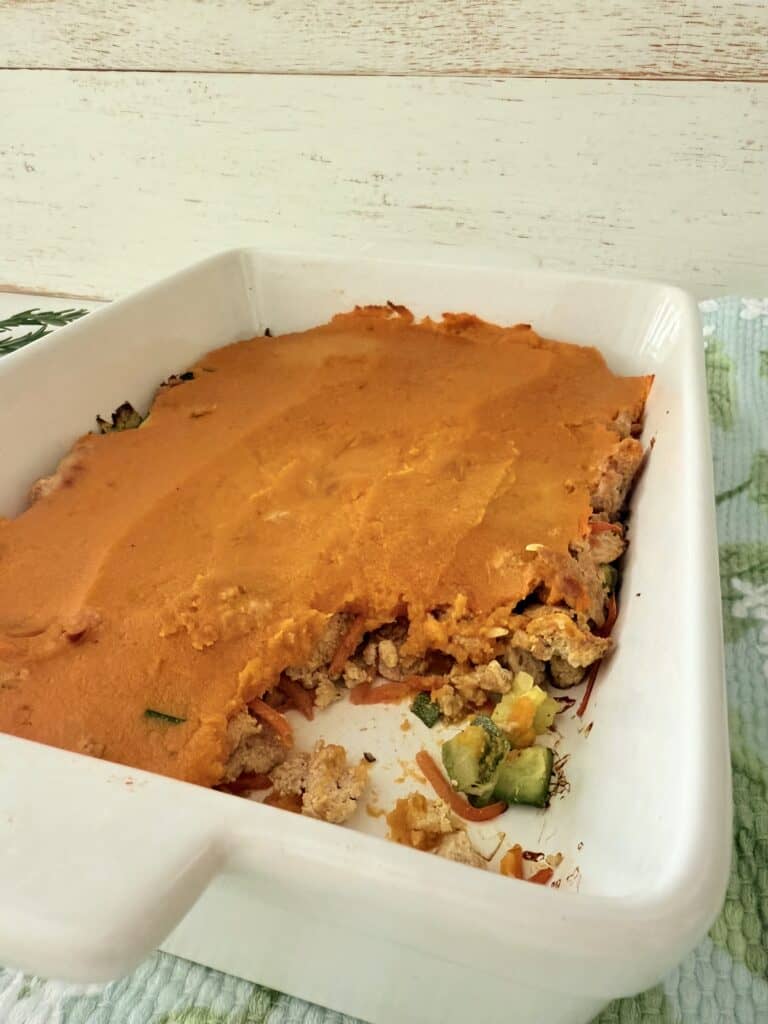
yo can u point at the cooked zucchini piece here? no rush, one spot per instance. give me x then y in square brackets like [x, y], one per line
[525, 712]
[472, 757]
[524, 777]
[425, 709]
[610, 576]
[462, 756]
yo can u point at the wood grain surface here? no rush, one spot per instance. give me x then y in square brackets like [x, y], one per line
[716, 39]
[615, 137]
[108, 180]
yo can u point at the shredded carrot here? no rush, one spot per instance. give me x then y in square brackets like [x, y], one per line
[455, 801]
[541, 877]
[390, 692]
[511, 863]
[279, 723]
[301, 698]
[387, 693]
[424, 682]
[599, 526]
[346, 648]
[276, 699]
[248, 782]
[359, 694]
[591, 677]
[610, 617]
[605, 630]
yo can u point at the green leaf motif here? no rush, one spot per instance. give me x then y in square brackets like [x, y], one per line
[652, 1005]
[758, 482]
[193, 1015]
[748, 561]
[732, 491]
[259, 1005]
[721, 386]
[30, 986]
[734, 628]
[41, 319]
[258, 1008]
[763, 362]
[742, 927]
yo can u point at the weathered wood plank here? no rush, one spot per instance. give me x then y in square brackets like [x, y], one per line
[110, 180]
[570, 38]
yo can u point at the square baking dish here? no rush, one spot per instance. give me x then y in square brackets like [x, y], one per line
[100, 864]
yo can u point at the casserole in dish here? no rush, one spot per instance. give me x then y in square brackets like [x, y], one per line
[644, 830]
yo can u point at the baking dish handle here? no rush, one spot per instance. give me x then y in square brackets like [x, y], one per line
[98, 863]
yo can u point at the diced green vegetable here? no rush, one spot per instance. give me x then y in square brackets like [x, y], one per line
[163, 717]
[522, 683]
[610, 578]
[462, 756]
[472, 758]
[124, 417]
[524, 777]
[525, 712]
[426, 709]
[545, 714]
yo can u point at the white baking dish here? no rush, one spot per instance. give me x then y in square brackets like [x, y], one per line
[100, 863]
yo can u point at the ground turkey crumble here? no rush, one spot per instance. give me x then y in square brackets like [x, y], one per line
[615, 475]
[429, 825]
[328, 785]
[255, 747]
[553, 643]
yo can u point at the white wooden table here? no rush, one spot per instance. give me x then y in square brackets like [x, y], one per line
[619, 136]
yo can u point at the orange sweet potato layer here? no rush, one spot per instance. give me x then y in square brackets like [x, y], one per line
[373, 464]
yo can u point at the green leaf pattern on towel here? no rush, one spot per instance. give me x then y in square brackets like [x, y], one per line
[747, 560]
[720, 385]
[743, 581]
[648, 1006]
[758, 478]
[256, 1011]
[193, 1015]
[755, 485]
[742, 928]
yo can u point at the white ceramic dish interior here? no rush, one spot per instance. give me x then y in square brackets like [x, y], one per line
[100, 863]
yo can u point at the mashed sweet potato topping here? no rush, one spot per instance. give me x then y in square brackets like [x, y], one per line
[432, 474]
